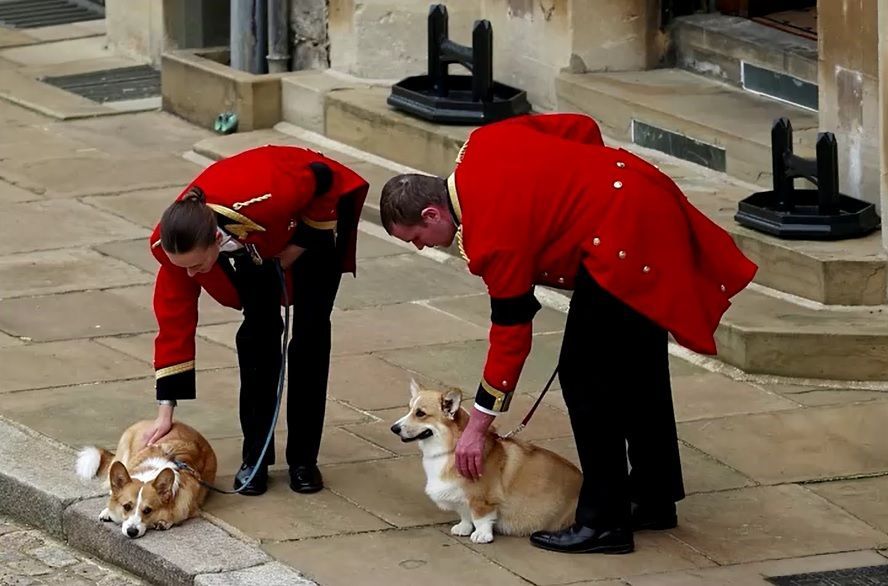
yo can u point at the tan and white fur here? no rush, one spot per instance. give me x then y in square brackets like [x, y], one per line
[523, 488]
[147, 489]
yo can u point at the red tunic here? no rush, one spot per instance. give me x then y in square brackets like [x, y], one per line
[261, 197]
[537, 195]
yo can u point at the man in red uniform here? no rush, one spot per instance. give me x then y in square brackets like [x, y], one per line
[539, 199]
[224, 234]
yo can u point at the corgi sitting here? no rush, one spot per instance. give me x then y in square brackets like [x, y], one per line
[148, 489]
[524, 488]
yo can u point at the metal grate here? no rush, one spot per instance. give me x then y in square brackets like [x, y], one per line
[868, 576]
[36, 13]
[111, 85]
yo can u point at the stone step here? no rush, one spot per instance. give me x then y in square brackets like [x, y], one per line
[747, 54]
[688, 116]
[760, 333]
[764, 334]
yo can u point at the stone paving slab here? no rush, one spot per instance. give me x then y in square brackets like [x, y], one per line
[370, 383]
[133, 252]
[35, 142]
[818, 442]
[282, 514]
[64, 270]
[416, 556]
[38, 493]
[654, 552]
[770, 522]
[476, 309]
[141, 347]
[53, 53]
[460, 364]
[373, 287]
[10, 194]
[709, 395]
[817, 396]
[142, 208]
[865, 498]
[7, 340]
[389, 489]
[755, 574]
[195, 547]
[97, 173]
[270, 573]
[29, 556]
[42, 225]
[33, 366]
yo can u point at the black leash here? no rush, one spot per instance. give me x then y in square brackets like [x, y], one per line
[527, 417]
[280, 394]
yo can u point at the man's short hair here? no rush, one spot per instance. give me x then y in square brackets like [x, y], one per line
[405, 196]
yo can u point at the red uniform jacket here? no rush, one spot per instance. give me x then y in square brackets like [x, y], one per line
[538, 195]
[265, 197]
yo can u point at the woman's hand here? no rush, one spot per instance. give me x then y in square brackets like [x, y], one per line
[161, 425]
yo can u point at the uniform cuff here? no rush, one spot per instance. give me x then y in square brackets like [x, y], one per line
[490, 400]
[179, 385]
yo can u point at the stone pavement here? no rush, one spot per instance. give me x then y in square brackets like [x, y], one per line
[783, 476]
[29, 557]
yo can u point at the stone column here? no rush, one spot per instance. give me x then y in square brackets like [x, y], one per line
[883, 110]
[848, 41]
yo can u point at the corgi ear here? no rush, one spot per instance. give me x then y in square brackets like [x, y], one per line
[118, 476]
[450, 402]
[414, 388]
[164, 483]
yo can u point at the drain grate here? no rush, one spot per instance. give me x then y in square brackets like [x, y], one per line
[868, 576]
[111, 85]
[36, 13]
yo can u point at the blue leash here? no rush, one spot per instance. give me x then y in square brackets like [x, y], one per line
[280, 395]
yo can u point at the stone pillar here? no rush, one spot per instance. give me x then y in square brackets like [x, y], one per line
[848, 43]
[387, 39]
[308, 23]
[616, 35]
[883, 109]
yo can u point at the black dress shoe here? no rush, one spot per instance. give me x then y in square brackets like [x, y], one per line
[653, 517]
[257, 486]
[306, 479]
[580, 539]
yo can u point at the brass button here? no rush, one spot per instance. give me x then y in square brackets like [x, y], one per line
[645, 269]
[622, 254]
[505, 383]
[618, 184]
[596, 241]
[545, 274]
[561, 280]
[621, 164]
[723, 288]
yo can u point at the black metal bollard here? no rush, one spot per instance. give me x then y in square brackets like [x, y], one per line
[458, 99]
[821, 214]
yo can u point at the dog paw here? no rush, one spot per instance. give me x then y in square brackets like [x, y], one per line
[462, 528]
[161, 526]
[482, 536]
[105, 516]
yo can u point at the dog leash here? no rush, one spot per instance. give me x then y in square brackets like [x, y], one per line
[280, 394]
[527, 417]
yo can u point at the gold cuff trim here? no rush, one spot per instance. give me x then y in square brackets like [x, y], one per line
[500, 399]
[242, 204]
[244, 224]
[156, 244]
[176, 369]
[454, 196]
[322, 225]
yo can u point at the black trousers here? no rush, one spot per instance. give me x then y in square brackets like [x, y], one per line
[614, 373]
[316, 277]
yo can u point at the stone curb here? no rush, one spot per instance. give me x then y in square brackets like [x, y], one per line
[38, 487]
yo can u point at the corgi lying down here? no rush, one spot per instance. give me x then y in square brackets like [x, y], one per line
[148, 490]
[524, 488]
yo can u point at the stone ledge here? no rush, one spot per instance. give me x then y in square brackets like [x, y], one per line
[38, 487]
[36, 478]
[197, 85]
[173, 557]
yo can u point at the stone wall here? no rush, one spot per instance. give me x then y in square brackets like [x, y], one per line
[848, 42]
[883, 126]
[308, 29]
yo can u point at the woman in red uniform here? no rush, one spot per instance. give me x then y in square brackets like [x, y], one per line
[539, 199]
[224, 234]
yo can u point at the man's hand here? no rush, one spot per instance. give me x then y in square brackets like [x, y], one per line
[161, 426]
[289, 255]
[470, 447]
